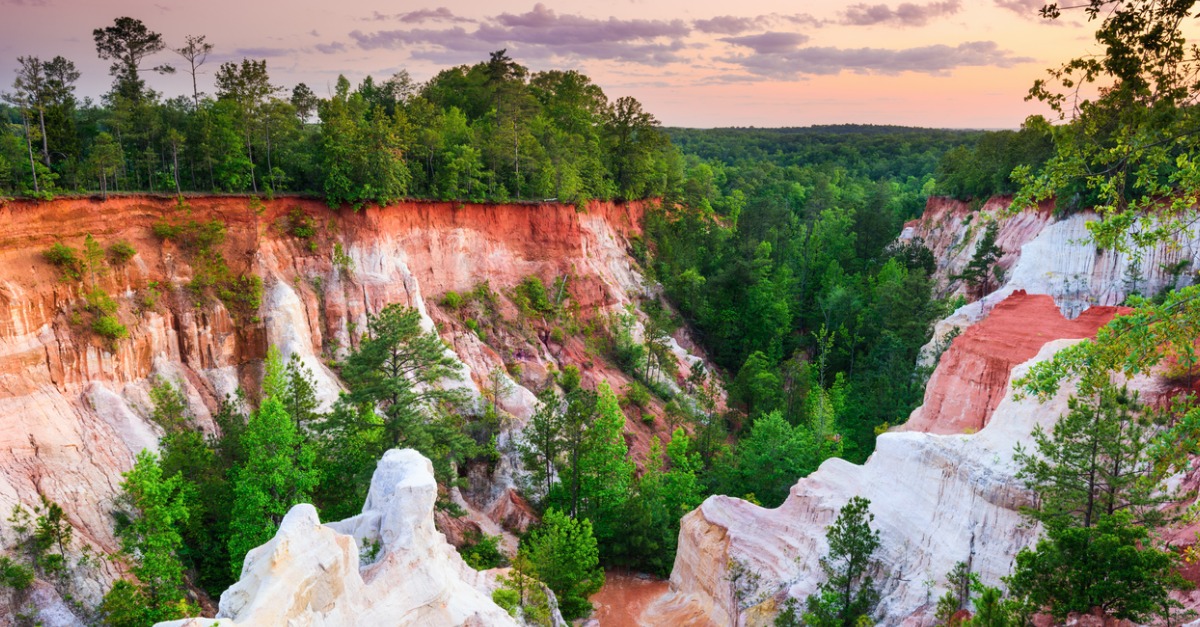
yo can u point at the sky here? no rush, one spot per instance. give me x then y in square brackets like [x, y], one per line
[695, 63]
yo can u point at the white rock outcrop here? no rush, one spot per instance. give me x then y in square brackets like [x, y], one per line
[937, 500]
[1044, 254]
[311, 574]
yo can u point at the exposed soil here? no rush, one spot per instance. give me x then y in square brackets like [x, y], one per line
[624, 597]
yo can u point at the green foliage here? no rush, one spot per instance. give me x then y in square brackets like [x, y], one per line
[523, 596]
[848, 593]
[278, 472]
[961, 582]
[120, 252]
[170, 409]
[508, 599]
[982, 269]
[151, 509]
[1095, 462]
[605, 473]
[66, 259]
[668, 489]
[771, 458]
[391, 403]
[531, 298]
[99, 302]
[300, 224]
[1099, 488]
[342, 261]
[636, 395]
[108, 327]
[984, 170]
[563, 554]
[483, 552]
[451, 300]
[14, 575]
[1111, 566]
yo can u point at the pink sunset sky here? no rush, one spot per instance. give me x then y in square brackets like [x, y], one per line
[699, 63]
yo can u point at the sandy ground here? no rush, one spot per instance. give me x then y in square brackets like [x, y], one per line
[624, 596]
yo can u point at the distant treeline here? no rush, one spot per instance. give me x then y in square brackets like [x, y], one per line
[489, 131]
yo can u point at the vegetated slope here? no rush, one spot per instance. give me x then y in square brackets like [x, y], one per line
[194, 311]
[314, 572]
[1053, 271]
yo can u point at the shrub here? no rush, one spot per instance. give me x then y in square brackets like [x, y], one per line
[121, 252]
[164, 230]
[341, 260]
[300, 224]
[451, 300]
[148, 297]
[530, 296]
[483, 553]
[507, 599]
[637, 395]
[107, 326]
[195, 236]
[66, 259]
[13, 575]
[100, 303]
[242, 296]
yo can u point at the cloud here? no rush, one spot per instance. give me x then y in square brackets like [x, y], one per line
[906, 14]
[420, 16]
[769, 43]
[937, 60]
[727, 24]
[393, 39]
[1024, 8]
[333, 47]
[543, 26]
[540, 34]
[262, 53]
[736, 25]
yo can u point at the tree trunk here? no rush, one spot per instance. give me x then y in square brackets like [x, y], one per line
[29, 144]
[175, 156]
[45, 142]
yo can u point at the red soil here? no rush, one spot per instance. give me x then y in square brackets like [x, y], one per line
[972, 377]
[624, 597]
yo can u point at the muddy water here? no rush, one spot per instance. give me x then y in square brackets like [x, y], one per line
[624, 596]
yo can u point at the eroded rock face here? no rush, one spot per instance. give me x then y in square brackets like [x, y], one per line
[314, 574]
[972, 377]
[76, 407]
[937, 500]
[1043, 255]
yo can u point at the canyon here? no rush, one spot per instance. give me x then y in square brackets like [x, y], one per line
[957, 498]
[77, 406]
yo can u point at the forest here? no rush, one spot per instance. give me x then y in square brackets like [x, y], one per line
[775, 247]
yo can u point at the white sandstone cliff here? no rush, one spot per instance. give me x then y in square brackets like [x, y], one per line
[311, 574]
[1044, 254]
[937, 500]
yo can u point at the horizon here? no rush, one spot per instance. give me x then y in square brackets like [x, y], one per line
[948, 64]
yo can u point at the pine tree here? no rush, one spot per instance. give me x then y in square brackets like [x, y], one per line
[848, 593]
[278, 472]
[541, 441]
[982, 269]
[1097, 489]
[564, 556]
[607, 472]
[148, 528]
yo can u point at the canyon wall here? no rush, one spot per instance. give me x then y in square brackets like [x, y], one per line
[76, 406]
[942, 486]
